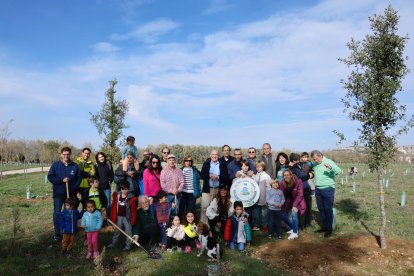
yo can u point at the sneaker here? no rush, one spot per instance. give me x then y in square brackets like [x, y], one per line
[255, 228]
[279, 237]
[95, 254]
[270, 236]
[187, 249]
[198, 244]
[293, 236]
[169, 250]
[290, 231]
[89, 255]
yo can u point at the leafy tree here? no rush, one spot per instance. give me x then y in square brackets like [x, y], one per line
[109, 121]
[378, 67]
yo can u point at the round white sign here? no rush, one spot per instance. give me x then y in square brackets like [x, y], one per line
[245, 190]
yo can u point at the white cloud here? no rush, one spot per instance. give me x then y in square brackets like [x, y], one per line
[217, 6]
[105, 47]
[149, 32]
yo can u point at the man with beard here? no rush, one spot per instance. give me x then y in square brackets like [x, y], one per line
[145, 230]
[269, 160]
[235, 166]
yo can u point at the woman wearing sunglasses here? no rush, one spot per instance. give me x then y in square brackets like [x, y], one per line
[191, 190]
[151, 177]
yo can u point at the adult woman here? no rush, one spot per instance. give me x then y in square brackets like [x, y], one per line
[292, 189]
[219, 210]
[151, 177]
[191, 189]
[282, 162]
[105, 174]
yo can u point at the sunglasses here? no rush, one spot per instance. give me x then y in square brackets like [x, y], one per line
[154, 162]
[188, 160]
[252, 152]
[165, 152]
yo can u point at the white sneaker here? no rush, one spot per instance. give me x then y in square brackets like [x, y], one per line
[293, 236]
[290, 231]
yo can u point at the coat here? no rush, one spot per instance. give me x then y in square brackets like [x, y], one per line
[297, 197]
[92, 221]
[68, 220]
[131, 207]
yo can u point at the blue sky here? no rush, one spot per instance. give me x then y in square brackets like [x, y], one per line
[194, 72]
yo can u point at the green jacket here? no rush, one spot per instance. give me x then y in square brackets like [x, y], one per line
[86, 169]
[324, 177]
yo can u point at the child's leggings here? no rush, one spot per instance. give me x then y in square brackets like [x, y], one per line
[92, 241]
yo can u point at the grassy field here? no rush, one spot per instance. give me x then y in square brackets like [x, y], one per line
[20, 166]
[29, 248]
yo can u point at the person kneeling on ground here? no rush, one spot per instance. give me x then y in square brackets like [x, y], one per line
[237, 232]
[146, 230]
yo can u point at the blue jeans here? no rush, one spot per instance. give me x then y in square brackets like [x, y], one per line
[240, 246]
[171, 199]
[57, 208]
[163, 229]
[292, 221]
[260, 215]
[187, 203]
[324, 201]
[274, 220]
[107, 193]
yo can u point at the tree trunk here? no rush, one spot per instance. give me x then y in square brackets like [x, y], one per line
[383, 242]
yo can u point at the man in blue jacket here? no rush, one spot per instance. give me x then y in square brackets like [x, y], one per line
[62, 172]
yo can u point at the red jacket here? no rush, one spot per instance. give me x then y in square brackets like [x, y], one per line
[131, 208]
[297, 196]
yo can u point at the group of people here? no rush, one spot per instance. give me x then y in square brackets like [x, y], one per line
[154, 201]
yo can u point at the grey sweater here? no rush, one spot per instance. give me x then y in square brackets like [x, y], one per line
[274, 197]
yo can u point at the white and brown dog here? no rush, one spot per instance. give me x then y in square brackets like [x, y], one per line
[208, 242]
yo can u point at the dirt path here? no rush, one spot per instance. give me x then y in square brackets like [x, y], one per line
[30, 170]
[356, 255]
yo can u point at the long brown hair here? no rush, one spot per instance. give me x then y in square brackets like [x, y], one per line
[223, 205]
[292, 183]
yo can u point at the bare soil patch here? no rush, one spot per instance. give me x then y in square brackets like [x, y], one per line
[356, 255]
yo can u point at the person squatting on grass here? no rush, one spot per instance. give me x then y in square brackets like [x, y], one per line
[175, 235]
[237, 231]
[146, 230]
[92, 222]
[325, 171]
[63, 174]
[190, 230]
[68, 220]
[123, 213]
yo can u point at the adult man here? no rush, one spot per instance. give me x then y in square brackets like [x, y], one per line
[251, 156]
[63, 174]
[325, 171]
[235, 166]
[213, 174]
[226, 159]
[172, 180]
[165, 151]
[145, 230]
[130, 172]
[144, 162]
[269, 159]
[86, 167]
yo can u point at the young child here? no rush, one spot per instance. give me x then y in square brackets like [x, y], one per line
[130, 147]
[260, 208]
[307, 167]
[92, 222]
[244, 169]
[69, 223]
[190, 230]
[162, 213]
[123, 213]
[175, 235]
[274, 202]
[237, 231]
[96, 194]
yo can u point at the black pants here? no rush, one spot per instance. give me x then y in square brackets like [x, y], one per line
[173, 242]
[306, 219]
[149, 236]
[274, 221]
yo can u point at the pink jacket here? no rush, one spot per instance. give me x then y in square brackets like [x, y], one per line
[172, 180]
[152, 182]
[297, 196]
